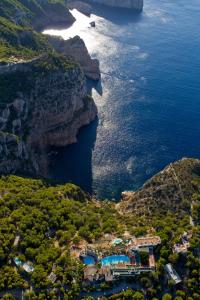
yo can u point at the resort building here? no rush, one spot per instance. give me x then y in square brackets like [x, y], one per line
[172, 274]
[90, 273]
[149, 241]
[128, 271]
[152, 262]
[26, 266]
[16, 241]
[180, 248]
[133, 258]
[52, 277]
[184, 244]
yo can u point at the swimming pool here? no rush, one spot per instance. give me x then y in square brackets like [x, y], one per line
[115, 259]
[88, 260]
[117, 241]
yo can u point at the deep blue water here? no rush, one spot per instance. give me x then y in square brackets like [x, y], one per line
[115, 259]
[149, 110]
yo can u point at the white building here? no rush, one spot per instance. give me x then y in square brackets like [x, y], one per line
[172, 274]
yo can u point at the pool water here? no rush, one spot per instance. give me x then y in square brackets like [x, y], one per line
[115, 259]
[117, 241]
[18, 262]
[88, 260]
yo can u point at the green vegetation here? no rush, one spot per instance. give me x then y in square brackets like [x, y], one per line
[49, 219]
[32, 208]
[24, 12]
[24, 79]
[18, 40]
[40, 222]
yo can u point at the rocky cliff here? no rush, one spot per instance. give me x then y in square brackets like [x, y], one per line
[43, 97]
[75, 48]
[169, 190]
[84, 8]
[36, 13]
[131, 4]
[43, 103]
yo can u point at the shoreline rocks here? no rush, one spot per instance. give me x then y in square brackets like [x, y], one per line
[48, 113]
[75, 48]
[129, 4]
[81, 6]
[54, 15]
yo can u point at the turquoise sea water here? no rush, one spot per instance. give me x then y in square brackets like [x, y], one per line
[115, 259]
[148, 99]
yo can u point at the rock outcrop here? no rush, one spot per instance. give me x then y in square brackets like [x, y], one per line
[169, 190]
[45, 104]
[13, 154]
[83, 7]
[36, 13]
[75, 48]
[53, 15]
[43, 97]
[131, 4]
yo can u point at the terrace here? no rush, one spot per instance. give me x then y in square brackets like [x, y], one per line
[183, 246]
[136, 257]
[148, 241]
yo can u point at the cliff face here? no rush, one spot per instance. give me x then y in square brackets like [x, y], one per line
[43, 98]
[53, 14]
[83, 7]
[169, 190]
[76, 49]
[46, 106]
[36, 13]
[131, 4]
[13, 153]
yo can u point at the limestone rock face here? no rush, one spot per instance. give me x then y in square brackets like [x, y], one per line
[169, 190]
[132, 4]
[54, 16]
[83, 7]
[13, 154]
[49, 113]
[76, 49]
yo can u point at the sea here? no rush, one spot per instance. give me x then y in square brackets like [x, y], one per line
[148, 97]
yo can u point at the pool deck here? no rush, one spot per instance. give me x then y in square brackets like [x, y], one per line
[126, 263]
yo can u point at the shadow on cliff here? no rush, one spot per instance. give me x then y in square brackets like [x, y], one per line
[117, 16]
[97, 85]
[74, 162]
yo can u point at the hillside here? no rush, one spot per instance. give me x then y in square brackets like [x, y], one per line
[46, 228]
[34, 210]
[169, 190]
[18, 19]
[36, 13]
[41, 225]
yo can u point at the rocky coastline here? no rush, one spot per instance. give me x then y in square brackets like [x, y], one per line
[84, 8]
[44, 100]
[129, 4]
[49, 113]
[75, 48]
[168, 190]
